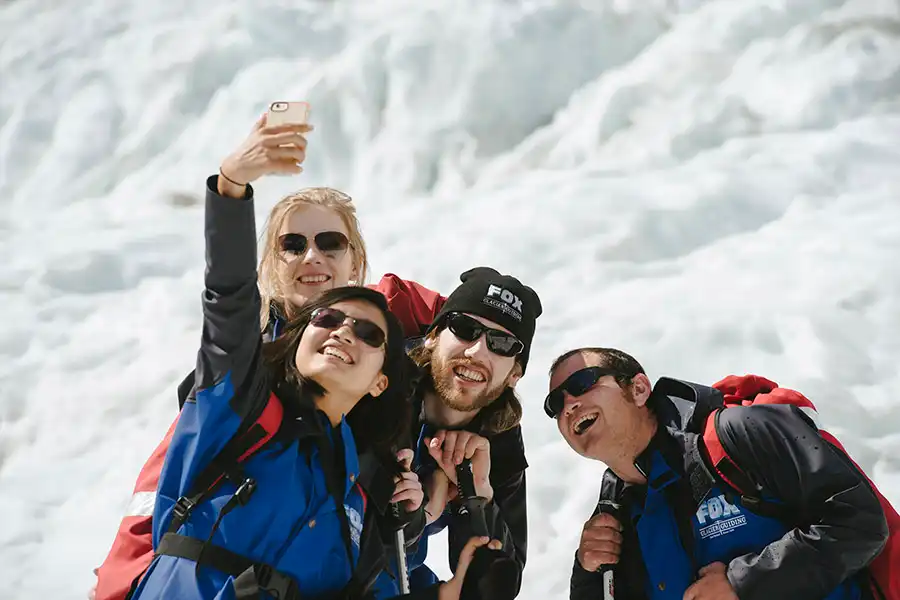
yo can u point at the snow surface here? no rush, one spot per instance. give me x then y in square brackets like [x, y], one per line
[713, 186]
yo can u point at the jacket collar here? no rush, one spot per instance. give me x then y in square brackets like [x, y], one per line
[677, 442]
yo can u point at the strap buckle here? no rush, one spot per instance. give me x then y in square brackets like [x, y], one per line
[750, 502]
[277, 585]
[183, 508]
[245, 490]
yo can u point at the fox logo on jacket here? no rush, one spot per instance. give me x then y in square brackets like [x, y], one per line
[356, 524]
[725, 517]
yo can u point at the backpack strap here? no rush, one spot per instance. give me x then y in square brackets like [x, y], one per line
[250, 577]
[739, 486]
[185, 389]
[226, 464]
[253, 577]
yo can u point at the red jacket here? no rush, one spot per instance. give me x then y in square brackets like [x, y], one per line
[132, 549]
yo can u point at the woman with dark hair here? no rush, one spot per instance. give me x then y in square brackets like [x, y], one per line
[292, 520]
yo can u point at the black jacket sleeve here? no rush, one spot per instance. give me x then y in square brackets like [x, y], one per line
[780, 450]
[585, 585]
[229, 349]
[413, 529]
[229, 382]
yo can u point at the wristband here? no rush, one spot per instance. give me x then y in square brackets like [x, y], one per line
[229, 179]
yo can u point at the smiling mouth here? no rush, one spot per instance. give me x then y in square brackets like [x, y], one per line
[313, 279]
[584, 423]
[469, 375]
[338, 354]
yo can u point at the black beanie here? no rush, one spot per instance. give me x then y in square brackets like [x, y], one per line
[499, 298]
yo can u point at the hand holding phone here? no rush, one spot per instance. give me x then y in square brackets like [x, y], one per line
[276, 146]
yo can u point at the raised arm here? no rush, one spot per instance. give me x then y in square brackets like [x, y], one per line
[229, 379]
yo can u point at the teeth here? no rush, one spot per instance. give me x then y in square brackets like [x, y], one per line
[339, 354]
[314, 278]
[583, 420]
[469, 374]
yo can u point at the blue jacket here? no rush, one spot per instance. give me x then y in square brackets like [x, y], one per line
[292, 520]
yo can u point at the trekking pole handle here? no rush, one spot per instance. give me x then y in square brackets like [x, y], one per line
[608, 571]
[471, 501]
[400, 550]
[465, 479]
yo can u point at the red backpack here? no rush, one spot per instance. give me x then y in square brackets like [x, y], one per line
[752, 389]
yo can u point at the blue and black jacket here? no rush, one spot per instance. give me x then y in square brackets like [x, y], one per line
[685, 517]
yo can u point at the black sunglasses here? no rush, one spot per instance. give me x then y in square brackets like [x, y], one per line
[365, 330]
[329, 243]
[468, 329]
[575, 384]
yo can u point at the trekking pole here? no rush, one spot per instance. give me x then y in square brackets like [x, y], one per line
[608, 571]
[502, 578]
[472, 503]
[400, 550]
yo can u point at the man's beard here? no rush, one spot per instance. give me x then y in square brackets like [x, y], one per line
[443, 377]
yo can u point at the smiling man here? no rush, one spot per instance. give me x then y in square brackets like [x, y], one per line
[678, 529]
[465, 407]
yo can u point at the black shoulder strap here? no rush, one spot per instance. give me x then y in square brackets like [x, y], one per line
[226, 465]
[745, 491]
[250, 577]
[185, 389]
[610, 488]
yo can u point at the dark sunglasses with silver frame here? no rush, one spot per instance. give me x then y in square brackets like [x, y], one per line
[329, 243]
[576, 384]
[365, 330]
[468, 329]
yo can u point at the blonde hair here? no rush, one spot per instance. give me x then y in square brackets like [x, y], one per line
[270, 287]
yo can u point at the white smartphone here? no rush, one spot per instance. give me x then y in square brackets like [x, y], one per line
[287, 112]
